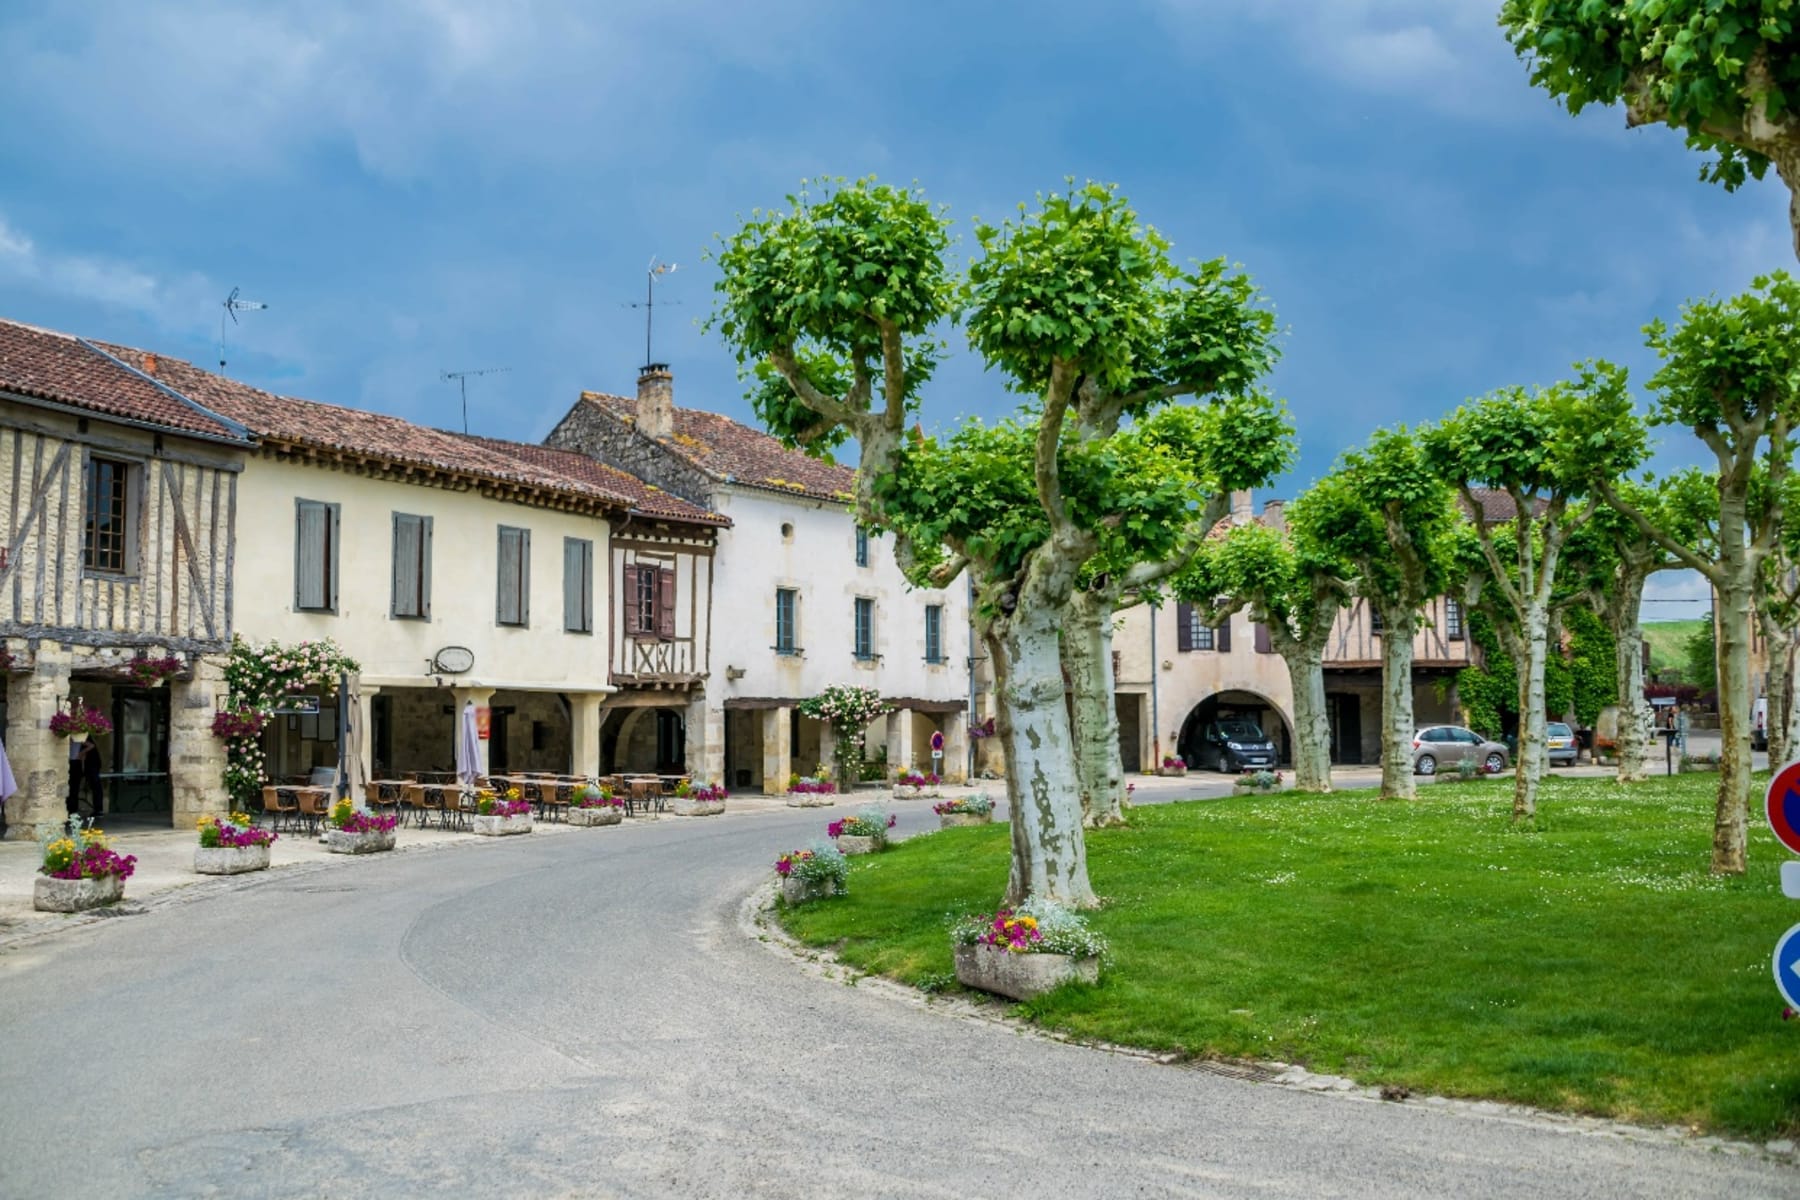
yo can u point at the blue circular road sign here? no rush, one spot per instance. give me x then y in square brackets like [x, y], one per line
[1787, 965]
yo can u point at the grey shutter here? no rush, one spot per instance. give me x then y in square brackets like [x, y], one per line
[1184, 627]
[1222, 638]
[587, 586]
[1263, 645]
[424, 602]
[578, 595]
[524, 539]
[312, 529]
[407, 537]
[506, 584]
[332, 557]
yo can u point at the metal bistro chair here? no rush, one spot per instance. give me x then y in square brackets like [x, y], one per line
[429, 799]
[556, 796]
[384, 795]
[643, 795]
[302, 803]
[278, 806]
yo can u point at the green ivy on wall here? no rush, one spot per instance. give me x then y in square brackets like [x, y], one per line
[1581, 679]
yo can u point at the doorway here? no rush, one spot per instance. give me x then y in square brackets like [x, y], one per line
[1345, 712]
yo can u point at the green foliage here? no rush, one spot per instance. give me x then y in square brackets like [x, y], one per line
[1579, 679]
[1707, 67]
[1593, 680]
[1295, 593]
[1489, 693]
[1545, 442]
[1700, 658]
[1731, 363]
[784, 415]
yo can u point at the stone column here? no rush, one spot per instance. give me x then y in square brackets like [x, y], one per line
[40, 759]
[584, 732]
[704, 725]
[900, 740]
[828, 746]
[365, 726]
[481, 696]
[196, 757]
[956, 746]
[778, 761]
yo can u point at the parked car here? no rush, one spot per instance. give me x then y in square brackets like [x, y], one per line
[1560, 740]
[1437, 746]
[1235, 745]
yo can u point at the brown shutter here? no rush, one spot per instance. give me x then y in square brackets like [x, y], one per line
[665, 602]
[1184, 627]
[1222, 637]
[1263, 645]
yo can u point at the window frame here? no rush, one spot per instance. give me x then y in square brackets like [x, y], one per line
[790, 646]
[329, 555]
[579, 616]
[934, 635]
[1455, 628]
[129, 483]
[862, 546]
[862, 635]
[422, 596]
[521, 583]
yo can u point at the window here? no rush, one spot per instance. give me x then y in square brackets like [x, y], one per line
[315, 556]
[862, 546]
[578, 585]
[865, 628]
[1376, 624]
[412, 567]
[513, 605]
[1189, 631]
[1221, 637]
[934, 633]
[1453, 619]
[786, 601]
[649, 601]
[1263, 643]
[108, 545]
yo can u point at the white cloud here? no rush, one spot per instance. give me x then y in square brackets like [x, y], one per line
[101, 280]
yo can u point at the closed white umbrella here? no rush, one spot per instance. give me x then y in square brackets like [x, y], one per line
[468, 746]
[7, 785]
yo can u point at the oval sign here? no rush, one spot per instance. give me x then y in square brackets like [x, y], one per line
[453, 660]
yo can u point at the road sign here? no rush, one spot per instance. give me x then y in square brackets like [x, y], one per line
[1787, 965]
[937, 743]
[1782, 803]
[1790, 880]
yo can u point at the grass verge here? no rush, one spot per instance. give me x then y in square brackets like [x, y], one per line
[1589, 965]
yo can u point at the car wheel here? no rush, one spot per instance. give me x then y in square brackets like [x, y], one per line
[1495, 762]
[1425, 764]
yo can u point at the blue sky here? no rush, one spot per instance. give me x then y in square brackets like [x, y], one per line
[455, 184]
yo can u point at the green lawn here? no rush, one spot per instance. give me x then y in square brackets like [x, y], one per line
[1668, 642]
[1591, 965]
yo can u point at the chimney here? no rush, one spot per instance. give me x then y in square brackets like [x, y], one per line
[1274, 514]
[149, 364]
[1242, 512]
[656, 401]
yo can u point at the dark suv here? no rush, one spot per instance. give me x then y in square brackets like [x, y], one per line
[1235, 745]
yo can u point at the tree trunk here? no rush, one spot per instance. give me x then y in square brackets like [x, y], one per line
[1779, 686]
[1790, 709]
[1312, 725]
[1397, 727]
[1087, 653]
[1628, 670]
[1788, 167]
[1049, 854]
[1528, 771]
[1735, 707]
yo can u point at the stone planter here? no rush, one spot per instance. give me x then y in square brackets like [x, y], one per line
[799, 891]
[1020, 976]
[373, 842]
[605, 815]
[492, 826]
[928, 792]
[952, 820]
[230, 860]
[78, 737]
[810, 799]
[851, 844]
[1176, 772]
[76, 895]
[685, 806]
[1238, 789]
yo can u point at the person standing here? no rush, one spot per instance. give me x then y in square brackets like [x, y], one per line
[90, 772]
[1681, 728]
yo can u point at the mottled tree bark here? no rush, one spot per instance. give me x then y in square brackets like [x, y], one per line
[1622, 620]
[1399, 623]
[1312, 723]
[1087, 655]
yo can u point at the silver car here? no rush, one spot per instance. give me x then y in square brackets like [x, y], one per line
[1560, 741]
[1439, 746]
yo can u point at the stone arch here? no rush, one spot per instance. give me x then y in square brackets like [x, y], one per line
[1235, 702]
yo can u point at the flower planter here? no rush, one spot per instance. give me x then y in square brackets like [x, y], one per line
[76, 895]
[684, 806]
[1238, 789]
[951, 820]
[1173, 771]
[492, 826]
[849, 843]
[339, 842]
[810, 799]
[607, 815]
[1020, 976]
[799, 891]
[75, 739]
[907, 792]
[230, 860]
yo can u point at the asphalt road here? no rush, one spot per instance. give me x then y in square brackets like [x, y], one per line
[584, 1015]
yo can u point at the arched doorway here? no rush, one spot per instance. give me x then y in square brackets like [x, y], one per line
[1229, 710]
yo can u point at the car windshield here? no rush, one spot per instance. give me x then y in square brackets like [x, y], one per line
[1558, 729]
[1241, 731]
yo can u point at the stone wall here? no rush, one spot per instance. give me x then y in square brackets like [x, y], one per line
[589, 430]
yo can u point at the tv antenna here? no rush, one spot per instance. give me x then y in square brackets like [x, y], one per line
[462, 382]
[649, 305]
[233, 306]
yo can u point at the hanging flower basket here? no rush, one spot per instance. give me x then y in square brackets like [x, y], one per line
[152, 672]
[79, 722]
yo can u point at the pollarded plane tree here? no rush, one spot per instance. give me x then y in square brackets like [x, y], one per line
[1724, 72]
[1731, 374]
[1386, 512]
[1543, 448]
[1778, 613]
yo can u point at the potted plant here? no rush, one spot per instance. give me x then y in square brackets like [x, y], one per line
[818, 871]
[1173, 765]
[1026, 951]
[964, 810]
[910, 785]
[595, 804]
[232, 845]
[353, 832]
[152, 672]
[239, 722]
[501, 814]
[1262, 782]
[806, 791]
[79, 871]
[78, 722]
[706, 800]
[864, 833]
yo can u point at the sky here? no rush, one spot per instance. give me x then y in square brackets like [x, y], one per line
[427, 186]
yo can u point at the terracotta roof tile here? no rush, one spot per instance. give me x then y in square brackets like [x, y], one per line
[65, 370]
[1497, 505]
[646, 499]
[734, 453]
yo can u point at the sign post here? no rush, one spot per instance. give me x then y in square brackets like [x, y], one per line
[1781, 804]
[937, 754]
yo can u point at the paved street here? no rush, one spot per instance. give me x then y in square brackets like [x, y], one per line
[583, 1014]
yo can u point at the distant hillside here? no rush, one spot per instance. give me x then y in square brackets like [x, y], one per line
[1666, 638]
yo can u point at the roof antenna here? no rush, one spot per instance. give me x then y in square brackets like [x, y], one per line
[462, 382]
[649, 304]
[233, 306]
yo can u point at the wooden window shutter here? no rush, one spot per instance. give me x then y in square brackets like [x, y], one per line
[1184, 627]
[1263, 645]
[408, 554]
[312, 537]
[331, 557]
[1222, 637]
[576, 613]
[511, 607]
[524, 539]
[424, 566]
[665, 602]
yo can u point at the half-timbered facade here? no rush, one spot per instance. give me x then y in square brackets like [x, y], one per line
[121, 497]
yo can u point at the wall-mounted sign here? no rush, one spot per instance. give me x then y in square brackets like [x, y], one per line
[303, 705]
[453, 660]
[484, 722]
